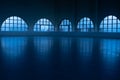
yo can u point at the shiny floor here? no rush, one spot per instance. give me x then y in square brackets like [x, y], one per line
[59, 58]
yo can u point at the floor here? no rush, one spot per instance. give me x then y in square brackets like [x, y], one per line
[59, 58]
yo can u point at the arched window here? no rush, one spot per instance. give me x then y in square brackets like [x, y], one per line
[66, 26]
[85, 25]
[14, 23]
[43, 25]
[110, 24]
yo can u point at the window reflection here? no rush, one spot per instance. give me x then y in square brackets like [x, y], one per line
[13, 47]
[85, 52]
[14, 23]
[43, 45]
[110, 51]
[65, 52]
[65, 45]
[66, 26]
[43, 25]
[110, 47]
[85, 25]
[85, 46]
[110, 24]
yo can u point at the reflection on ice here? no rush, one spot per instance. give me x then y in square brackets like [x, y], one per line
[110, 48]
[13, 47]
[110, 51]
[85, 46]
[43, 45]
[65, 45]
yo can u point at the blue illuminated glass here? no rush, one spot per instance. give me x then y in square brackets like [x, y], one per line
[14, 23]
[43, 25]
[66, 26]
[110, 24]
[85, 25]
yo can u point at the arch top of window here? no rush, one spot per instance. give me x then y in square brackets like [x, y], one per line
[43, 24]
[110, 24]
[14, 23]
[14, 17]
[44, 21]
[110, 17]
[84, 24]
[85, 18]
[65, 22]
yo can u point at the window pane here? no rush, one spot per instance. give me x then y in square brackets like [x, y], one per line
[110, 23]
[13, 23]
[43, 25]
[85, 25]
[66, 26]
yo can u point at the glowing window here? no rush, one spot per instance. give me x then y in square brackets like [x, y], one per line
[14, 23]
[110, 24]
[85, 25]
[43, 25]
[66, 26]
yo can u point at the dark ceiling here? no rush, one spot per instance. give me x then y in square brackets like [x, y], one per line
[60, 8]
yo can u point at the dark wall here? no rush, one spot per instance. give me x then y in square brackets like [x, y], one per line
[108, 7]
[29, 10]
[86, 8]
[57, 10]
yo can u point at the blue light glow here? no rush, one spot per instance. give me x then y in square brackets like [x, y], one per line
[14, 23]
[85, 25]
[13, 47]
[43, 25]
[65, 45]
[110, 52]
[66, 26]
[110, 24]
[110, 48]
[43, 45]
[85, 46]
